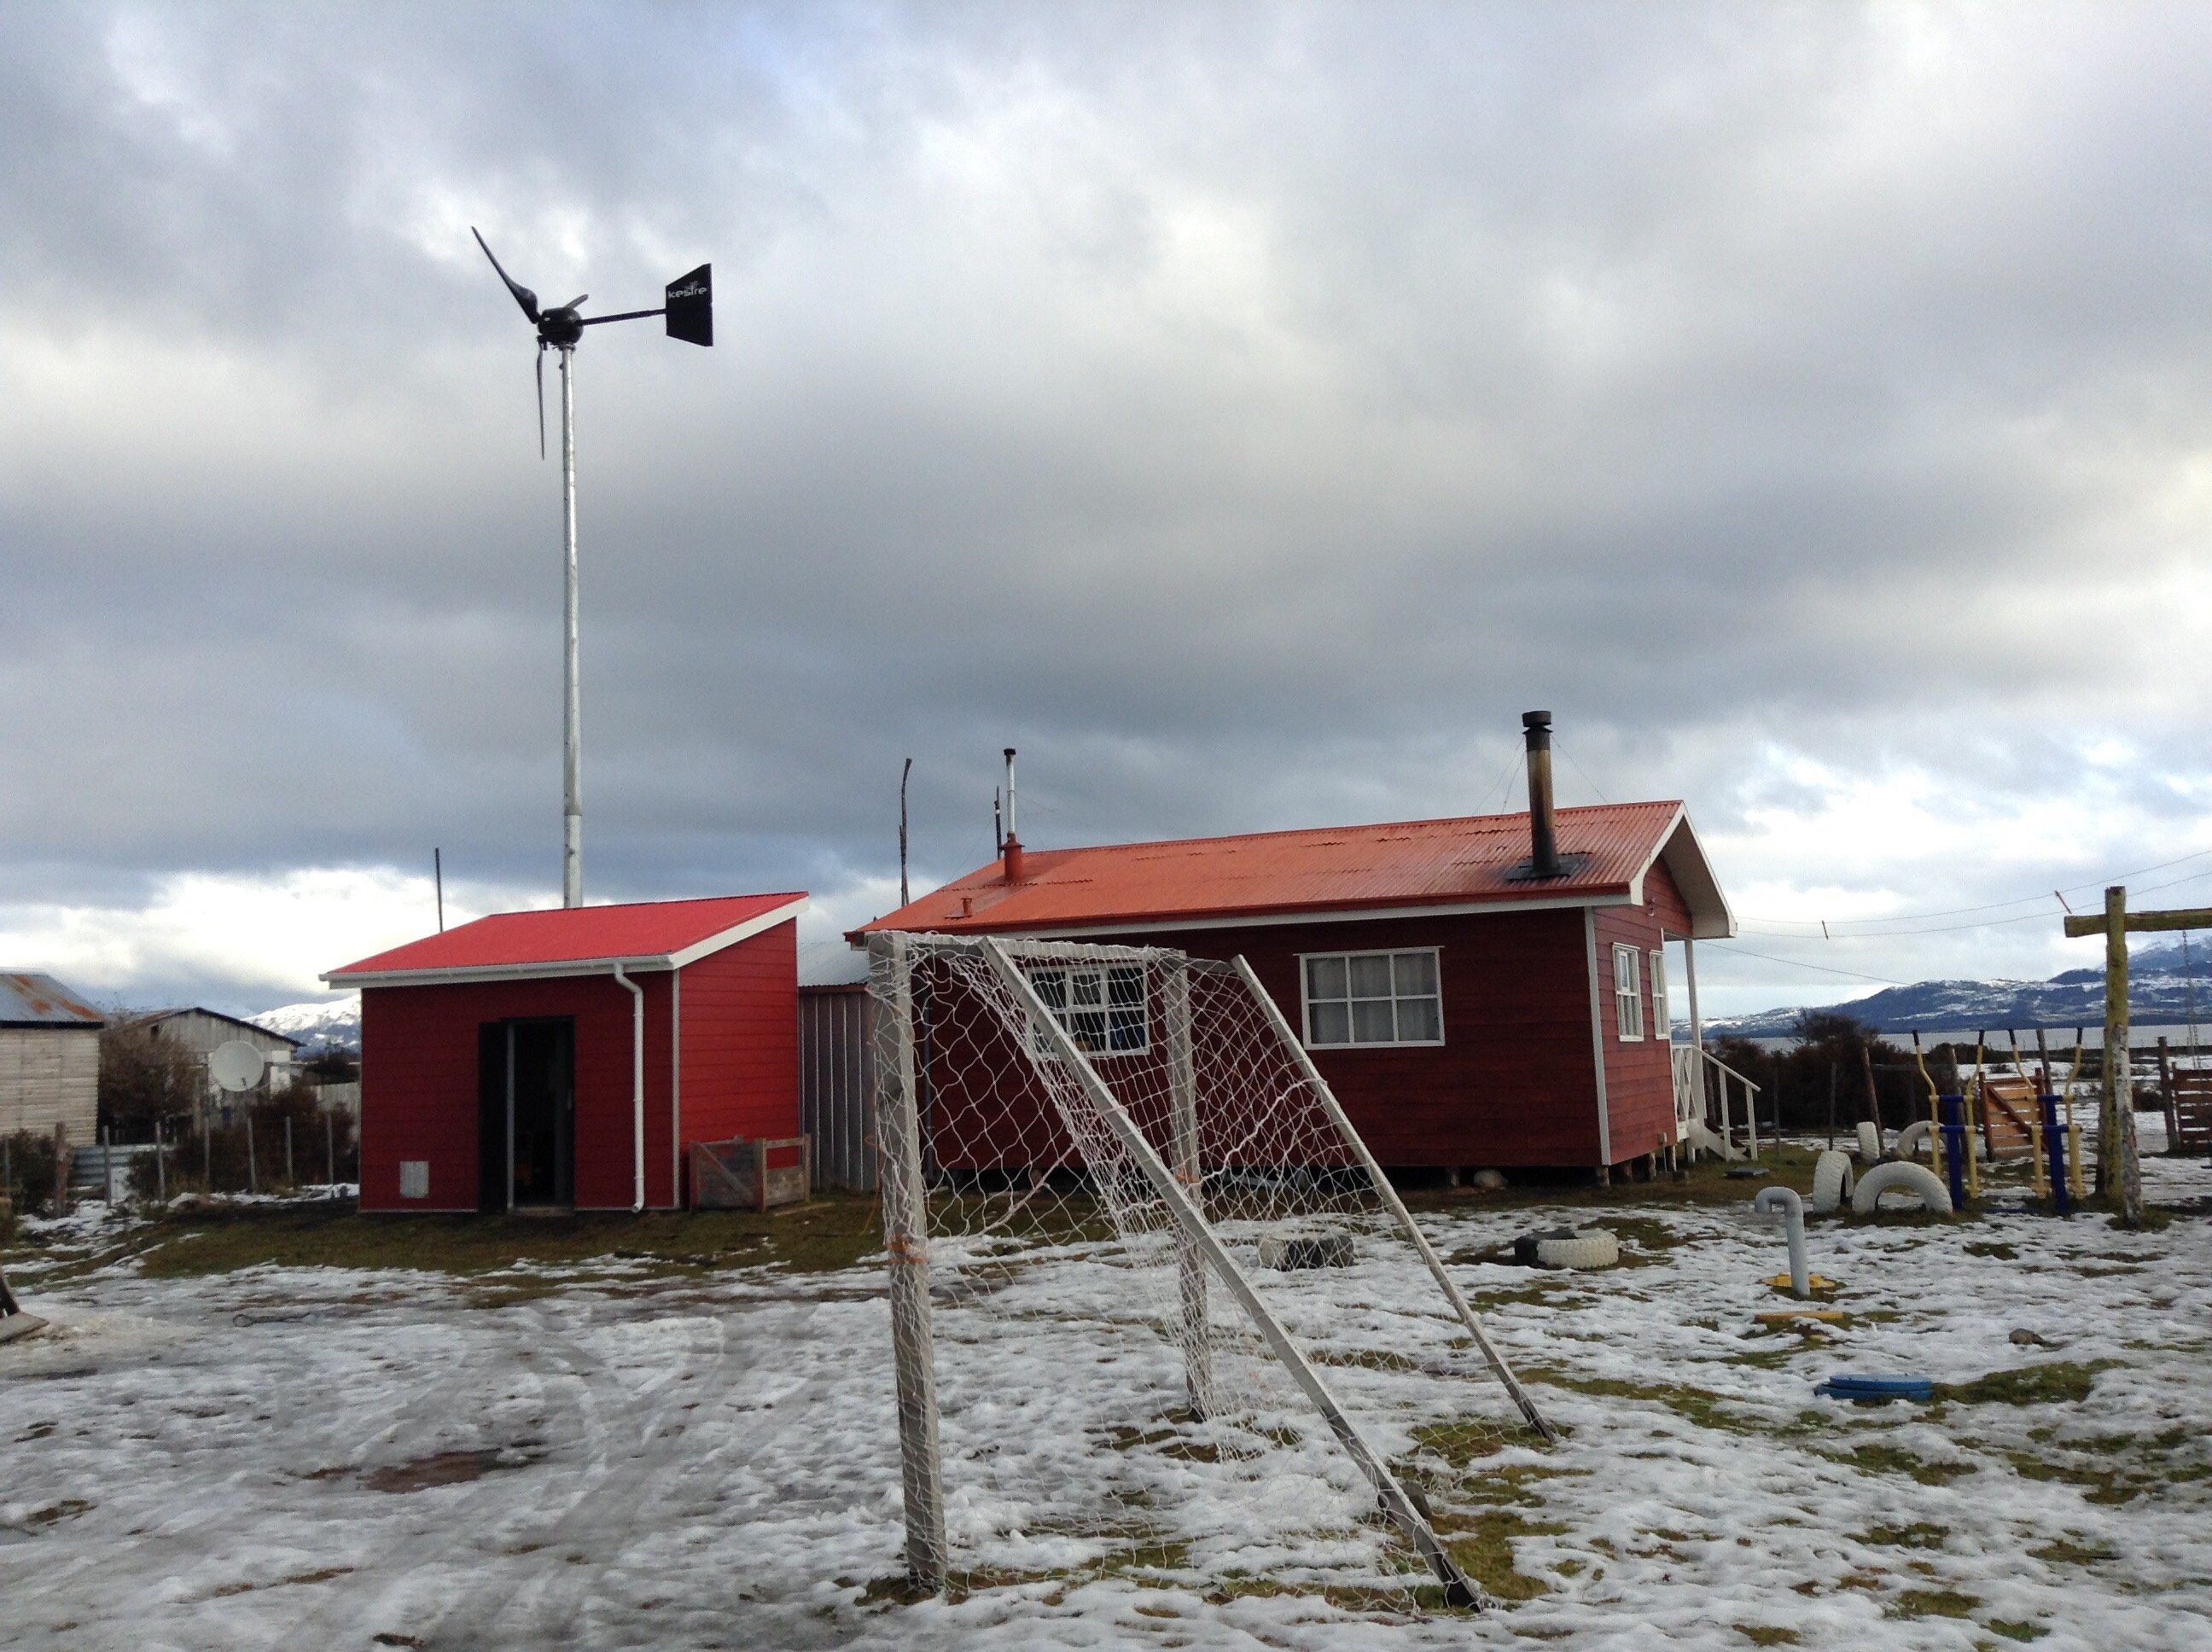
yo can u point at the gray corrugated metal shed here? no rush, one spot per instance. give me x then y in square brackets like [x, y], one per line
[34, 1000]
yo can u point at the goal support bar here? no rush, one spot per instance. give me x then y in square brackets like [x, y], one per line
[1396, 1206]
[1459, 1590]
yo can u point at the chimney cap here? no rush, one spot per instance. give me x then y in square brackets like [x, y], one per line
[1536, 719]
[1010, 751]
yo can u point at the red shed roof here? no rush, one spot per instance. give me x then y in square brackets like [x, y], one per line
[1347, 870]
[574, 941]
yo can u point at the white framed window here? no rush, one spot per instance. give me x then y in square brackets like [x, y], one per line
[1628, 990]
[1370, 998]
[1101, 1006]
[1663, 1011]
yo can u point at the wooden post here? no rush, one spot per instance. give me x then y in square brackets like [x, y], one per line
[2165, 1095]
[288, 1150]
[1189, 1170]
[2117, 1171]
[1751, 1111]
[1873, 1096]
[253, 1170]
[906, 1242]
[61, 1169]
[330, 1152]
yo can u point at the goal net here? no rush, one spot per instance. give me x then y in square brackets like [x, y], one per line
[1156, 1311]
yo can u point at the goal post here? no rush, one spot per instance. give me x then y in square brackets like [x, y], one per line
[1119, 1169]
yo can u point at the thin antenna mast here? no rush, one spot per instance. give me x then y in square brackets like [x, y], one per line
[438, 877]
[905, 899]
[689, 309]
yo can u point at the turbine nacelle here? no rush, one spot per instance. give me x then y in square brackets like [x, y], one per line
[688, 308]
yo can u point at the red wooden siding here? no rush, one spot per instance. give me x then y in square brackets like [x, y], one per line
[741, 1040]
[739, 1051]
[419, 1085]
[1639, 1079]
[1514, 1081]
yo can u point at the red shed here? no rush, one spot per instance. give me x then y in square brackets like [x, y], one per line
[566, 1058]
[1469, 1007]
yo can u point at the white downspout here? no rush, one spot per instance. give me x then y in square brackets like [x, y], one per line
[636, 1088]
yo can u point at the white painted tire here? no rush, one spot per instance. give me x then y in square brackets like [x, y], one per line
[1901, 1177]
[1590, 1247]
[1870, 1141]
[1912, 1140]
[1832, 1177]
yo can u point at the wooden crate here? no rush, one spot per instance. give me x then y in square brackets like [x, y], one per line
[736, 1175]
[2191, 1131]
[2009, 1110]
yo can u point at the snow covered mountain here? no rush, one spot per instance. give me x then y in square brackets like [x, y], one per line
[317, 1026]
[2158, 994]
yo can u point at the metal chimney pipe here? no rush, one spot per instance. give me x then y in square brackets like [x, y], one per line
[1543, 839]
[1012, 846]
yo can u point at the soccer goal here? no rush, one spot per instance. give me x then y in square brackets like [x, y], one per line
[1155, 1308]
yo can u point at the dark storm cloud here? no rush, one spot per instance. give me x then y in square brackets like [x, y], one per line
[1245, 411]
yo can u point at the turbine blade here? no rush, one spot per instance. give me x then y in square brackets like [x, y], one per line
[576, 300]
[523, 296]
[541, 398]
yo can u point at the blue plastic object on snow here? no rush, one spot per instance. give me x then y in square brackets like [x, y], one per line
[1955, 1147]
[1843, 1386]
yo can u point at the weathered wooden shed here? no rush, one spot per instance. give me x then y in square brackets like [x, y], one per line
[1484, 991]
[48, 1059]
[201, 1031]
[567, 1058]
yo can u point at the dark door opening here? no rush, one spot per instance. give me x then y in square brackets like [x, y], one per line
[526, 1113]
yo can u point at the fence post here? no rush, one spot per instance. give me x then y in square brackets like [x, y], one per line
[207, 1155]
[161, 1167]
[289, 1179]
[906, 1242]
[2165, 1095]
[330, 1153]
[253, 1170]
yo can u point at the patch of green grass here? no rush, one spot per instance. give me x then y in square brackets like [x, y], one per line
[1895, 1460]
[1692, 1404]
[2002, 1253]
[1767, 1635]
[2016, 1631]
[835, 1231]
[1483, 1545]
[1933, 1603]
[2061, 1382]
[1503, 1486]
[1920, 1535]
[1459, 1442]
[2065, 1550]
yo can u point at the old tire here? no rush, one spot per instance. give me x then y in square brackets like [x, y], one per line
[1869, 1140]
[1592, 1247]
[1912, 1140]
[1901, 1177]
[1832, 1177]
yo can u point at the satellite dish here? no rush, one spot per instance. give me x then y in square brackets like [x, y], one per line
[235, 1065]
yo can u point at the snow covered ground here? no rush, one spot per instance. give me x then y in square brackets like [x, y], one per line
[610, 1455]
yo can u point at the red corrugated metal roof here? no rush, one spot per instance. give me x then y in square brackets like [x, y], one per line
[1334, 869]
[649, 929]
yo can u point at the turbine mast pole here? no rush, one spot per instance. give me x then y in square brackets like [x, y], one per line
[572, 734]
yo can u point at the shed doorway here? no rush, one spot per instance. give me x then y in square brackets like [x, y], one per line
[526, 1115]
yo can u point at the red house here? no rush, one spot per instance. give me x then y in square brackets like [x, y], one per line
[1473, 1001]
[566, 1058]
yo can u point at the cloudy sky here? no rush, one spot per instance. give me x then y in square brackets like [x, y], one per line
[1246, 412]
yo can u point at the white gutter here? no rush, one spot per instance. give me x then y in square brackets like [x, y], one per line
[636, 1088]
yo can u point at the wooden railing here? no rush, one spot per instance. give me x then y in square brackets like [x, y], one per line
[1694, 1098]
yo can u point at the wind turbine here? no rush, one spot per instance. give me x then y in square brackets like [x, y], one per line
[690, 309]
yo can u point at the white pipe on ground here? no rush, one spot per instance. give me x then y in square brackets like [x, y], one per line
[1785, 1199]
[636, 1089]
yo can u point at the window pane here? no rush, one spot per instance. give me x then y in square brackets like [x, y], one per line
[1125, 1029]
[1371, 976]
[1325, 978]
[1417, 1021]
[1416, 973]
[1086, 986]
[1125, 986]
[1052, 988]
[1331, 1024]
[1088, 1028]
[1371, 1022]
